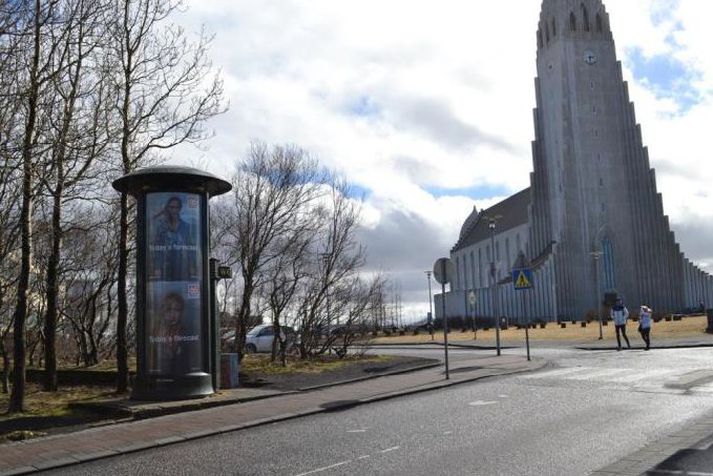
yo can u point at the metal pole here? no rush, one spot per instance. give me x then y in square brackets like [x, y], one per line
[495, 285]
[445, 318]
[472, 308]
[599, 304]
[527, 324]
[430, 304]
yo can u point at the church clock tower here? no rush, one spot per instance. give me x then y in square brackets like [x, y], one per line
[594, 203]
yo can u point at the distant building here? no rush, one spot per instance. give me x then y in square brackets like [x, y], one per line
[592, 209]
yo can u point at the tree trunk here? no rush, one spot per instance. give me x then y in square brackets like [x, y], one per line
[122, 364]
[17, 397]
[5, 368]
[243, 320]
[50, 325]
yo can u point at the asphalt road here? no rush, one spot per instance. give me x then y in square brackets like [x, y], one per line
[587, 411]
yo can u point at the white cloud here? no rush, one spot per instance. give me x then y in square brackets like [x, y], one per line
[446, 91]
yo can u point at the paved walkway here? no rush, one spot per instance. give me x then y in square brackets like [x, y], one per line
[111, 440]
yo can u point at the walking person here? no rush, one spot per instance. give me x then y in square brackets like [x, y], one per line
[619, 314]
[645, 325]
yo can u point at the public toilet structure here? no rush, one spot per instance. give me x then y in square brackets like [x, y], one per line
[177, 343]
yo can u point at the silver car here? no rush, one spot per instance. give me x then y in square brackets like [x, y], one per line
[259, 338]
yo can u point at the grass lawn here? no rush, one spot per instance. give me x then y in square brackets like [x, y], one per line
[688, 327]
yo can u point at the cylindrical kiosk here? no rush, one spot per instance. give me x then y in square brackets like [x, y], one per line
[173, 309]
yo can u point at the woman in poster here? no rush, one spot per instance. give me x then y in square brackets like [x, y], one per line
[172, 247]
[173, 345]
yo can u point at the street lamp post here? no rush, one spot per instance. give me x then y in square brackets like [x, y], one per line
[325, 260]
[430, 304]
[491, 224]
[596, 255]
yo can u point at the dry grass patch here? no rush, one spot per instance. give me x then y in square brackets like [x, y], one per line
[39, 403]
[261, 363]
[688, 327]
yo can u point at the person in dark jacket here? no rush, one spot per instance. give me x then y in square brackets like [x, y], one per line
[645, 325]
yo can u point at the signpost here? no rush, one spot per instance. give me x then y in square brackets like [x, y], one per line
[471, 301]
[443, 271]
[522, 280]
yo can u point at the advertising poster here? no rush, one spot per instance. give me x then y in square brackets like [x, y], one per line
[174, 284]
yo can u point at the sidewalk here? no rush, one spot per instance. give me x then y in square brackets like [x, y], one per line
[261, 408]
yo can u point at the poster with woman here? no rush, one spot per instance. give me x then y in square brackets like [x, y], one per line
[173, 250]
[174, 283]
[173, 328]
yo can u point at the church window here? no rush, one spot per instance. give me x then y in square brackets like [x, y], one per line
[572, 22]
[596, 133]
[487, 252]
[539, 39]
[591, 85]
[455, 285]
[497, 251]
[517, 242]
[547, 33]
[554, 28]
[507, 252]
[601, 182]
[594, 109]
[585, 18]
[480, 267]
[608, 264]
[472, 270]
[600, 27]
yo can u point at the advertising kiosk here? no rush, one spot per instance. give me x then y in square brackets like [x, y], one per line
[176, 335]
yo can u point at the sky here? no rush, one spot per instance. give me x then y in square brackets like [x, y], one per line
[426, 108]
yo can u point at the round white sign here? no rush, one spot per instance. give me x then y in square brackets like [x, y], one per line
[443, 270]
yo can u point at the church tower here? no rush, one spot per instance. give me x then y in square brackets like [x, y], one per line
[594, 202]
[592, 213]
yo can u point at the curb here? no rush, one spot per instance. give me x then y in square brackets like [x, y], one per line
[369, 377]
[663, 346]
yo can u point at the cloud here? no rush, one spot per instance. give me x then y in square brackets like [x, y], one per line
[427, 106]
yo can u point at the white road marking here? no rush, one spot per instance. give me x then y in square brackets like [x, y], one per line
[479, 403]
[637, 375]
[602, 374]
[319, 470]
[390, 449]
[677, 471]
[556, 372]
[447, 432]
[357, 431]
[364, 457]
[503, 396]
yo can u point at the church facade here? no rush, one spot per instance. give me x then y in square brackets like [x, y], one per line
[592, 222]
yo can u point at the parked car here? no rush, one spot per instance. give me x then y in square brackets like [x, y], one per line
[259, 338]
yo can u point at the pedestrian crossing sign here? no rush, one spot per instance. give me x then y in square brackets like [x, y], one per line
[522, 278]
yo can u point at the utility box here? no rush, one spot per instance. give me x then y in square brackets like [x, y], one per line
[229, 367]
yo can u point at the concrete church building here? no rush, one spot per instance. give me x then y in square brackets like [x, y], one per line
[592, 207]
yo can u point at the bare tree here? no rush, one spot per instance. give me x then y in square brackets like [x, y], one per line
[38, 49]
[78, 138]
[273, 190]
[162, 100]
[283, 278]
[337, 259]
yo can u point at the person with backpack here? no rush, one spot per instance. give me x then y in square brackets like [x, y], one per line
[645, 324]
[620, 314]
